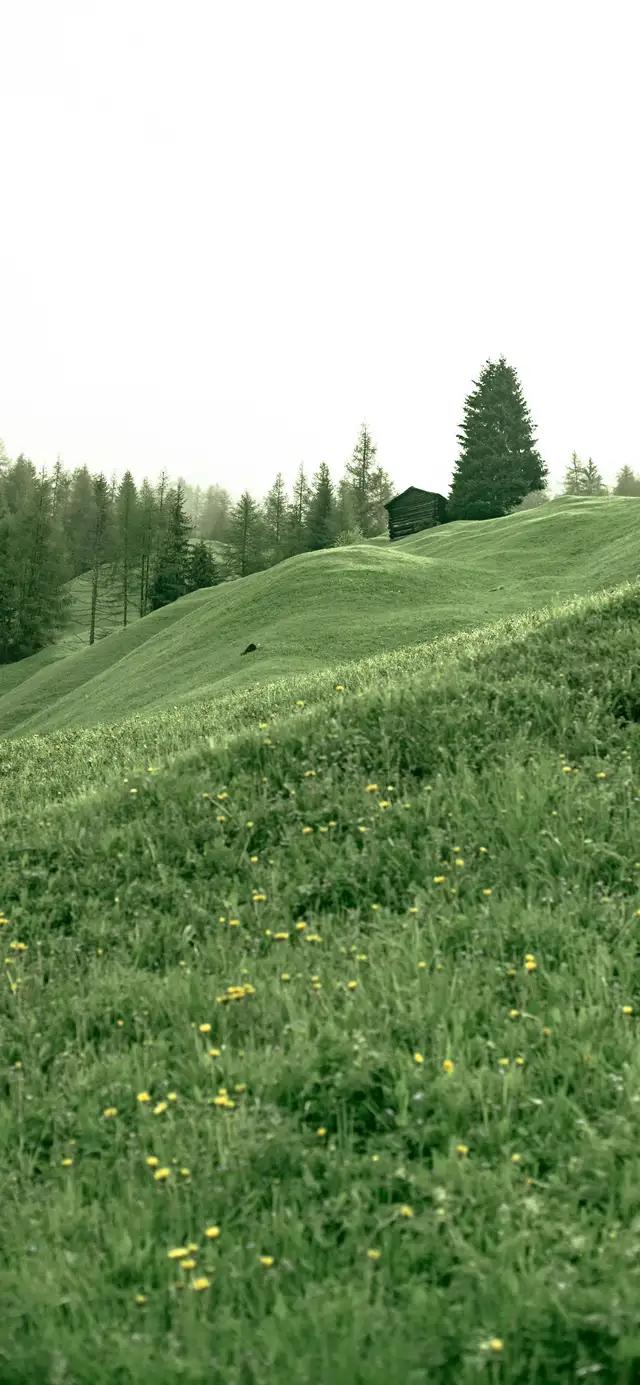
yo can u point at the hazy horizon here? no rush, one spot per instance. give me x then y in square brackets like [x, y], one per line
[233, 233]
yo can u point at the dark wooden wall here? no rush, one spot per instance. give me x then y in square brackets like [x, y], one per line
[411, 513]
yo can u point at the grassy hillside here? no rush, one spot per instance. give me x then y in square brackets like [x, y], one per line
[373, 962]
[339, 604]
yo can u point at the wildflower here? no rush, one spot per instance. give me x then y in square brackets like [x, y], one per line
[266, 1260]
[258, 898]
[406, 1211]
[214, 1052]
[172, 1096]
[439, 879]
[177, 1253]
[306, 829]
[66, 1163]
[299, 703]
[531, 965]
[309, 774]
[281, 937]
[384, 803]
[374, 1254]
[301, 925]
[351, 985]
[496, 1343]
[212, 1232]
[462, 1149]
[188, 1264]
[223, 795]
[152, 1160]
[372, 788]
[161, 1175]
[339, 687]
[204, 1028]
[516, 1158]
[160, 1108]
[285, 976]
[321, 1131]
[143, 1096]
[418, 1058]
[253, 860]
[520, 1061]
[459, 861]
[488, 891]
[513, 1014]
[421, 966]
[201, 1283]
[141, 1299]
[448, 1065]
[110, 1111]
[503, 1062]
[627, 1009]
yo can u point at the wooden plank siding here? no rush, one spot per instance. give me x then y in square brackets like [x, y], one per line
[413, 510]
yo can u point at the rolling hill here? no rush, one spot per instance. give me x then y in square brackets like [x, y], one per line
[320, 1012]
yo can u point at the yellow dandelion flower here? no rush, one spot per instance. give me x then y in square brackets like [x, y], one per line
[185, 1173]
[462, 1149]
[372, 788]
[448, 1065]
[172, 1096]
[253, 860]
[212, 1232]
[374, 1254]
[516, 1158]
[488, 891]
[214, 1052]
[496, 1343]
[513, 1014]
[66, 1163]
[234, 923]
[520, 1061]
[141, 1299]
[201, 1283]
[405, 1210]
[177, 1253]
[418, 1058]
[300, 702]
[110, 1111]
[627, 1009]
[321, 1131]
[439, 879]
[143, 1096]
[546, 1031]
[160, 1108]
[301, 925]
[204, 1028]
[280, 937]
[339, 687]
[161, 1175]
[503, 1062]
[351, 985]
[188, 1264]
[305, 830]
[266, 1260]
[152, 1161]
[285, 976]
[531, 966]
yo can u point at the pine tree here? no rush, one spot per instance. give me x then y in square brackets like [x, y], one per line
[499, 463]
[101, 537]
[80, 520]
[147, 511]
[126, 541]
[592, 481]
[359, 473]
[274, 512]
[172, 561]
[574, 476]
[295, 524]
[627, 483]
[321, 531]
[33, 602]
[246, 538]
[202, 570]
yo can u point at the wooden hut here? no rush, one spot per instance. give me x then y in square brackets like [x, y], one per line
[413, 510]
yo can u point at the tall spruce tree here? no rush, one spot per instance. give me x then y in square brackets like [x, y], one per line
[126, 542]
[321, 530]
[593, 483]
[499, 463]
[33, 602]
[170, 580]
[201, 568]
[80, 520]
[246, 538]
[147, 515]
[359, 473]
[274, 511]
[101, 540]
[295, 525]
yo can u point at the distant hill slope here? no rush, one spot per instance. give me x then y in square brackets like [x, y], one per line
[335, 604]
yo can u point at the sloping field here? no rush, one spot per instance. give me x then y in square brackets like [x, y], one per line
[320, 1036]
[324, 607]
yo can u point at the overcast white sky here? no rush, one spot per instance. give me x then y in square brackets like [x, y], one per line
[231, 230]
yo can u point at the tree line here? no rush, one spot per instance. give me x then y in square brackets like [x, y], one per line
[150, 544]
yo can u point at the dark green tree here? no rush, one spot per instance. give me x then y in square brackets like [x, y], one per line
[274, 512]
[79, 520]
[246, 538]
[126, 542]
[101, 539]
[170, 579]
[216, 510]
[147, 518]
[202, 570]
[295, 523]
[499, 463]
[593, 483]
[321, 530]
[33, 601]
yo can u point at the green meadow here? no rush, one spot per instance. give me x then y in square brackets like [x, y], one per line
[319, 1016]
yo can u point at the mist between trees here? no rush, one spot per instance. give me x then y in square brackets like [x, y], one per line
[144, 546]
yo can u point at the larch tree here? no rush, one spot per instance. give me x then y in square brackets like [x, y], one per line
[499, 462]
[171, 572]
[274, 511]
[321, 514]
[101, 539]
[295, 526]
[246, 538]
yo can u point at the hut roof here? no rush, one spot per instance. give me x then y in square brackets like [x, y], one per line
[417, 490]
